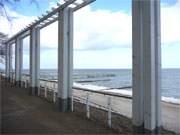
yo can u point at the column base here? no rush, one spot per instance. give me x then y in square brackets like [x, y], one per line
[7, 79]
[33, 91]
[156, 131]
[138, 129]
[64, 105]
[12, 81]
[22, 84]
[142, 130]
[69, 104]
[18, 83]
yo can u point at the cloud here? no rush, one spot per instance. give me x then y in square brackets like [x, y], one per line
[18, 22]
[49, 36]
[170, 20]
[94, 30]
[99, 29]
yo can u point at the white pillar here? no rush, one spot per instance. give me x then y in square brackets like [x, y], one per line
[18, 60]
[7, 61]
[21, 60]
[158, 61]
[137, 41]
[70, 57]
[34, 60]
[146, 64]
[65, 56]
[10, 61]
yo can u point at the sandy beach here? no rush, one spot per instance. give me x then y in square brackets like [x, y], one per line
[123, 106]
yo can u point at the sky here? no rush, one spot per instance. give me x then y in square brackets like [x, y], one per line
[102, 33]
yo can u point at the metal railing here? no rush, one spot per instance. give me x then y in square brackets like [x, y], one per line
[84, 96]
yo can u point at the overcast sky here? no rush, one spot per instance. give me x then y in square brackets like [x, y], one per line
[102, 33]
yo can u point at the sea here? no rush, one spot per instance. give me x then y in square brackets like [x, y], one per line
[118, 78]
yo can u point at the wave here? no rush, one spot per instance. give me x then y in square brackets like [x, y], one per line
[77, 77]
[90, 81]
[100, 75]
[125, 92]
[170, 100]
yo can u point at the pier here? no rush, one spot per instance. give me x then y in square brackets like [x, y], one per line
[42, 108]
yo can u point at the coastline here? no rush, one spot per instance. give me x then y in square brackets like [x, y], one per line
[125, 92]
[123, 106]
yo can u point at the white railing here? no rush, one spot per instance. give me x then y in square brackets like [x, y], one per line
[110, 102]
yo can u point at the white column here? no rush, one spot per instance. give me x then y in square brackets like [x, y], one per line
[34, 60]
[158, 61]
[18, 60]
[7, 61]
[21, 59]
[10, 60]
[149, 65]
[137, 105]
[65, 54]
[146, 64]
[70, 57]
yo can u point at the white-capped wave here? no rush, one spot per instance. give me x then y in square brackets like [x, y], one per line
[89, 86]
[171, 100]
[125, 92]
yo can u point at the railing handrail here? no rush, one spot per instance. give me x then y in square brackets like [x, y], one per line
[94, 91]
[102, 92]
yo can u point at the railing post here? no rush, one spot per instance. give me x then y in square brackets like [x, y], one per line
[39, 90]
[12, 77]
[54, 96]
[87, 106]
[21, 83]
[109, 112]
[26, 84]
[45, 91]
[72, 101]
[54, 86]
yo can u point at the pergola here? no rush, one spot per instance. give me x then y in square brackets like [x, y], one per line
[146, 57]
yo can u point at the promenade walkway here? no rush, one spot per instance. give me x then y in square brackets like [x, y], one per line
[22, 113]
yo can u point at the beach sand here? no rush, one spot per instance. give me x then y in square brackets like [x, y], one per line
[123, 106]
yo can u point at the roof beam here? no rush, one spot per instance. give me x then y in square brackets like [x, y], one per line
[85, 3]
[54, 11]
[41, 19]
[45, 20]
[48, 23]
